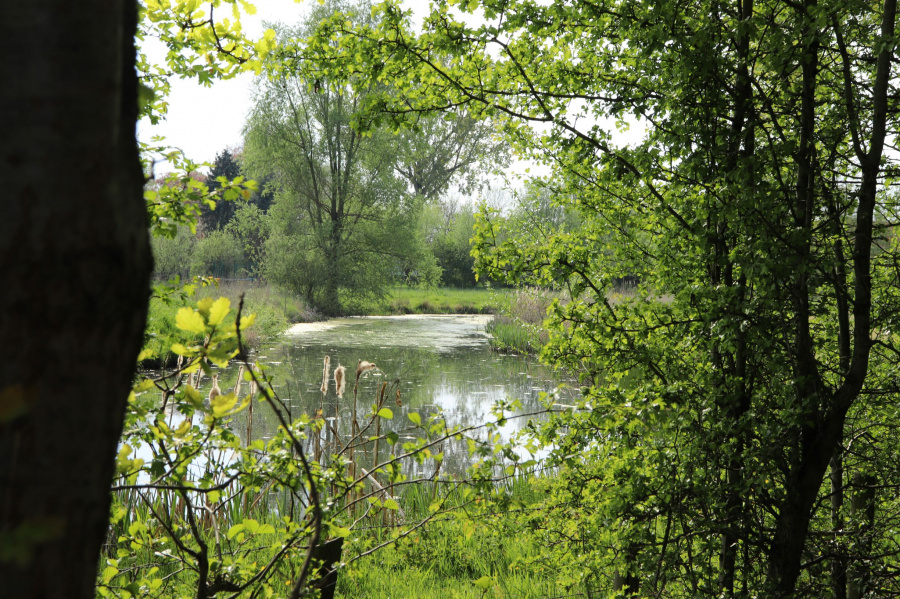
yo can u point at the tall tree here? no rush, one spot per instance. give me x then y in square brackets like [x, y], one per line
[75, 275]
[225, 165]
[341, 219]
[437, 150]
[721, 394]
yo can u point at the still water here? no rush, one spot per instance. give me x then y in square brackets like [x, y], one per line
[441, 364]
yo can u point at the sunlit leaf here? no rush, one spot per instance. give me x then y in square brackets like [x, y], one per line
[189, 320]
[219, 310]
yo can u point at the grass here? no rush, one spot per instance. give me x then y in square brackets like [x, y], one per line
[442, 300]
[519, 326]
[447, 557]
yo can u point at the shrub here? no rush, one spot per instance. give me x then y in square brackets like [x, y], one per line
[172, 257]
[218, 254]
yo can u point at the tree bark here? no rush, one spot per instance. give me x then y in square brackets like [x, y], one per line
[74, 272]
[863, 511]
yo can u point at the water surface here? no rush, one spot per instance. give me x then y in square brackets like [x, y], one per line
[440, 364]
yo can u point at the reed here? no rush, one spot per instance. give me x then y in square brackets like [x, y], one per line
[209, 505]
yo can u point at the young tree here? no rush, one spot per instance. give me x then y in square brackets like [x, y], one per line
[721, 395]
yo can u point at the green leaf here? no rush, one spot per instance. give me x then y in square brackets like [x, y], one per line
[415, 418]
[109, 573]
[190, 321]
[484, 583]
[192, 395]
[219, 311]
[204, 306]
[207, 369]
[339, 531]
[133, 587]
[222, 404]
[385, 413]
[180, 350]
[251, 525]
[144, 385]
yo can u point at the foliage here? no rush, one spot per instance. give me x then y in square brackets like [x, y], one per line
[539, 212]
[201, 507]
[711, 453]
[448, 227]
[218, 254]
[439, 149]
[342, 226]
[227, 166]
[172, 255]
[479, 553]
[250, 227]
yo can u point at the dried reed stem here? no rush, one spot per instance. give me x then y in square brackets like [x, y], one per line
[326, 373]
[380, 403]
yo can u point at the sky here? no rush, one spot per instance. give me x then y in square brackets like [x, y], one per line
[203, 121]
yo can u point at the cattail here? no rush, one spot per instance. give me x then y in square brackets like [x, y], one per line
[363, 366]
[240, 378]
[340, 380]
[215, 391]
[325, 373]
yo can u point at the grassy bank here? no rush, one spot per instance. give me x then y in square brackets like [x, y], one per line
[515, 328]
[442, 300]
[519, 326]
[275, 311]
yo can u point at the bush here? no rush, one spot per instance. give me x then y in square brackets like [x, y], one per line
[218, 254]
[172, 257]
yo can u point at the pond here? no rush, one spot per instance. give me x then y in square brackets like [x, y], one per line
[441, 364]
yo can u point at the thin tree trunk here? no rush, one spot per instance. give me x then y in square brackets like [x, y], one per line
[839, 562]
[863, 511]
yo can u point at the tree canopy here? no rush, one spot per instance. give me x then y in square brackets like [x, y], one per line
[350, 190]
[722, 400]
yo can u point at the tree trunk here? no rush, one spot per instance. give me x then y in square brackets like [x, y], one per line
[863, 511]
[74, 272]
[839, 562]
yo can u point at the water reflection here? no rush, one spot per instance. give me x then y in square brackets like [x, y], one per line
[439, 364]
